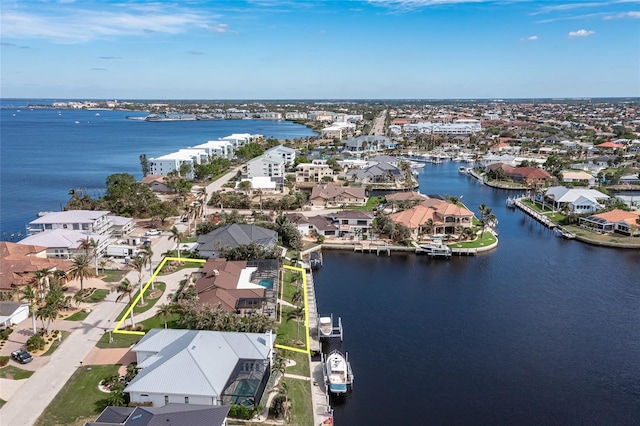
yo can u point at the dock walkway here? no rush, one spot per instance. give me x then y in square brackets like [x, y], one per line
[314, 343]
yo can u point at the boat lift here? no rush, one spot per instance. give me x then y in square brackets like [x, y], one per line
[327, 330]
[325, 372]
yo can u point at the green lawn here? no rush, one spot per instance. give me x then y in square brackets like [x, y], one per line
[372, 203]
[302, 363]
[148, 303]
[78, 316]
[301, 408]
[486, 240]
[56, 343]
[119, 340]
[97, 296]
[112, 275]
[14, 373]
[80, 399]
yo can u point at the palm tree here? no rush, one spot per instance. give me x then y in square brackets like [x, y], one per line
[30, 296]
[90, 245]
[138, 264]
[81, 269]
[42, 276]
[176, 236]
[297, 297]
[146, 255]
[125, 288]
[296, 314]
[279, 365]
[165, 312]
[428, 226]
[245, 186]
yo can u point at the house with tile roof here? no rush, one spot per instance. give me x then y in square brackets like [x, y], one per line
[19, 262]
[445, 216]
[238, 286]
[234, 235]
[617, 220]
[332, 196]
[201, 367]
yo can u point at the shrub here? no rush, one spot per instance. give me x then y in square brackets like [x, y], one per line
[277, 406]
[4, 360]
[240, 412]
[35, 343]
[4, 334]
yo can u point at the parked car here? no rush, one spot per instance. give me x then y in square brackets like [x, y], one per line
[22, 356]
[152, 232]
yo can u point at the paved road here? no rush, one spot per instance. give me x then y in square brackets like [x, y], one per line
[377, 129]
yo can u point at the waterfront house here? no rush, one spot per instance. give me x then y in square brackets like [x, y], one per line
[201, 367]
[65, 243]
[88, 221]
[444, 216]
[354, 222]
[575, 200]
[308, 225]
[218, 148]
[234, 235]
[620, 221]
[333, 196]
[175, 161]
[19, 263]
[121, 226]
[172, 414]
[238, 286]
[376, 173]
[156, 183]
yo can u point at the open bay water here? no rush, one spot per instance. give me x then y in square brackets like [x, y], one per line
[539, 331]
[44, 153]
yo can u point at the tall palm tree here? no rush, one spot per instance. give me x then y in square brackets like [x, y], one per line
[138, 264]
[296, 314]
[203, 197]
[81, 269]
[176, 236]
[30, 296]
[428, 226]
[125, 288]
[147, 254]
[89, 245]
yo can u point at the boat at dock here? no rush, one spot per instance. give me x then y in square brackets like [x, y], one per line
[337, 372]
[511, 203]
[435, 248]
[326, 330]
[464, 170]
[315, 260]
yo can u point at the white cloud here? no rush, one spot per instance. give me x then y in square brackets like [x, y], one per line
[632, 15]
[530, 38]
[581, 33]
[75, 25]
[218, 28]
[416, 4]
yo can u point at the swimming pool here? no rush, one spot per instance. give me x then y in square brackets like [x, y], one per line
[268, 284]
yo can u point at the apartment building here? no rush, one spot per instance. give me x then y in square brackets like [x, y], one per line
[315, 171]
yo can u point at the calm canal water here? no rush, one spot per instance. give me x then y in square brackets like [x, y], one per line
[539, 331]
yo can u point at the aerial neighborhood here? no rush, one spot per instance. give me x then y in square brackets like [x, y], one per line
[192, 277]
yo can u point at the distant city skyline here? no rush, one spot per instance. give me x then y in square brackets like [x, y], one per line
[285, 49]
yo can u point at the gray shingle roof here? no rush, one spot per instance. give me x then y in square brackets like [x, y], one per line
[235, 235]
[171, 414]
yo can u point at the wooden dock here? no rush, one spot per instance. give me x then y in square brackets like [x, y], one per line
[376, 248]
[314, 343]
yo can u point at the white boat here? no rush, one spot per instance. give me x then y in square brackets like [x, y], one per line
[337, 372]
[76, 122]
[511, 203]
[463, 170]
[436, 248]
[326, 326]
[97, 114]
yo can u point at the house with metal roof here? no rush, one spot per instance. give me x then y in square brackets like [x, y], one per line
[88, 221]
[201, 367]
[170, 415]
[577, 200]
[65, 243]
[234, 235]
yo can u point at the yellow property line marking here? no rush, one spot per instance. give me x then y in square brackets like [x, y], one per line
[306, 313]
[144, 289]
[307, 349]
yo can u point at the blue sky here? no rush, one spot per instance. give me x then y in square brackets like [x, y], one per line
[286, 49]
